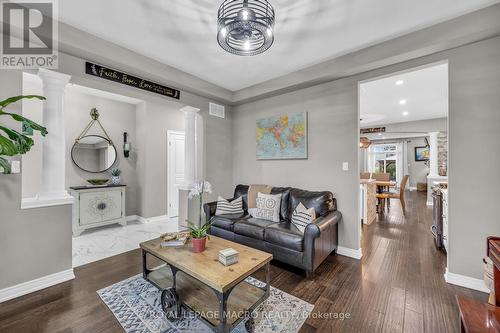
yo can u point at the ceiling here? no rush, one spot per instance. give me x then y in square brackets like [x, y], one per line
[182, 33]
[424, 93]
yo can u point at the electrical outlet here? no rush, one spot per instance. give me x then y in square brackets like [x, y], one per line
[345, 166]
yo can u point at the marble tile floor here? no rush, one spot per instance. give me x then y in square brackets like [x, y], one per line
[99, 243]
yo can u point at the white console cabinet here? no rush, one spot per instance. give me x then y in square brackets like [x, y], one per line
[95, 206]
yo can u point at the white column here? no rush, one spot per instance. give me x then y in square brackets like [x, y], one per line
[54, 144]
[187, 208]
[434, 154]
[189, 144]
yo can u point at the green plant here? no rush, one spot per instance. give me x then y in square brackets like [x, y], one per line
[116, 172]
[16, 143]
[200, 232]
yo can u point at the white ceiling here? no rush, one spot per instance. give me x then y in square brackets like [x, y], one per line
[424, 90]
[182, 33]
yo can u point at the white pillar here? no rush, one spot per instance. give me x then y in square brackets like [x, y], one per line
[434, 154]
[54, 144]
[189, 144]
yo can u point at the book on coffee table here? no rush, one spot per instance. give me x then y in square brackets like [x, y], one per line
[174, 239]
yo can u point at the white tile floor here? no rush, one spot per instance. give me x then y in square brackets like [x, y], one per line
[99, 243]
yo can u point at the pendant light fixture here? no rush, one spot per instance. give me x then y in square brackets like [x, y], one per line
[245, 27]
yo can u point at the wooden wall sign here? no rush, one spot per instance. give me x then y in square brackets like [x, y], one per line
[372, 130]
[130, 80]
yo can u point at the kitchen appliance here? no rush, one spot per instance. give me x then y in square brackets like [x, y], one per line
[437, 216]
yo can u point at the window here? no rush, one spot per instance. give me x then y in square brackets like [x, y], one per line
[384, 159]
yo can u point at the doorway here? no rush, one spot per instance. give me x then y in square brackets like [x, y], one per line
[175, 170]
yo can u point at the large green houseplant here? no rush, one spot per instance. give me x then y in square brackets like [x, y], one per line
[11, 141]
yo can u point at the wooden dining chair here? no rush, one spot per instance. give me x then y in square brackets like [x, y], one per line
[381, 176]
[395, 195]
[364, 175]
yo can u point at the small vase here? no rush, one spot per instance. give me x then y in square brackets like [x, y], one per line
[199, 244]
[115, 180]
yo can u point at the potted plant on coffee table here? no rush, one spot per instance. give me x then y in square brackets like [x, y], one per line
[199, 236]
[199, 233]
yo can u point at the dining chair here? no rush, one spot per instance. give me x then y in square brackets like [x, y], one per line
[395, 195]
[381, 176]
[364, 175]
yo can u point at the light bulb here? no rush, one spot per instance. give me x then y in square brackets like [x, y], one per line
[399, 82]
[246, 45]
[269, 32]
[223, 31]
[402, 102]
[405, 113]
[244, 14]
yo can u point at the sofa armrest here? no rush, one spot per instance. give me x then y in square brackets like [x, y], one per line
[314, 229]
[209, 209]
[320, 239]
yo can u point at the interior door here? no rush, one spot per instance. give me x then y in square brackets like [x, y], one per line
[175, 171]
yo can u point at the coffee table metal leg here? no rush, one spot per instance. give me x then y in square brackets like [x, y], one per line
[268, 279]
[145, 270]
[222, 297]
[174, 276]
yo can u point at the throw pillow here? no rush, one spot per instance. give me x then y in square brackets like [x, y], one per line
[268, 207]
[302, 216]
[253, 189]
[226, 207]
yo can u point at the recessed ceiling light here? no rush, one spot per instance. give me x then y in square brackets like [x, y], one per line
[405, 113]
[380, 134]
[399, 82]
[402, 102]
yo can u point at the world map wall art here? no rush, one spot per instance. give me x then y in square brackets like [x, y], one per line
[282, 137]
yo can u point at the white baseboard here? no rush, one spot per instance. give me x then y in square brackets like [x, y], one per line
[35, 285]
[148, 219]
[344, 251]
[465, 281]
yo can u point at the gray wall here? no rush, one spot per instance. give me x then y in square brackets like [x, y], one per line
[332, 139]
[34, 242]
[474, 131]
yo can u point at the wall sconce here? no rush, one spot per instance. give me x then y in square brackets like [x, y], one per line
[126, 145]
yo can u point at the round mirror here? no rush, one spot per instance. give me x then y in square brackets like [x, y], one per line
[93, 153]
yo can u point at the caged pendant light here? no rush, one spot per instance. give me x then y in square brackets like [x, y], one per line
[245, 27]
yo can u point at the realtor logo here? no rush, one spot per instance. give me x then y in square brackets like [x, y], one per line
[29, 37]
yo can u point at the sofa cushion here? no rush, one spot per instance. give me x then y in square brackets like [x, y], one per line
[226, 221]
[285, 197]
[322, 202]
[242, 191]
[285, 234]
[252, 227]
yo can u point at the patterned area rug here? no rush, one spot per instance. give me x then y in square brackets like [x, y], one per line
[136, 304]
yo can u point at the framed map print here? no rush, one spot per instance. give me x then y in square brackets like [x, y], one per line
[282, 137]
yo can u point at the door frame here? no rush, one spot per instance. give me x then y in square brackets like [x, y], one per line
[170, 181]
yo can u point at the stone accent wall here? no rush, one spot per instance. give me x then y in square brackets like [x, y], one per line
[443, 154]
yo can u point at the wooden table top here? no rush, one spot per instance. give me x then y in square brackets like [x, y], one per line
[205, 266]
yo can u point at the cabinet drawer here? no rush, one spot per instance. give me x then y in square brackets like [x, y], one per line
[96, 207]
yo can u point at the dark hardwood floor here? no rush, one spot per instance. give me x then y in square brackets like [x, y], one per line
[398, 286]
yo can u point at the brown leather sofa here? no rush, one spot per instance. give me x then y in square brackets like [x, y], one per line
[287, 244]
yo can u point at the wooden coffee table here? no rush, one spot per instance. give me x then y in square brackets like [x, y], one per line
[218, 294]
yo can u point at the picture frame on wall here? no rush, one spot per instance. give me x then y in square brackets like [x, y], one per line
[422, 154]
[282, 137]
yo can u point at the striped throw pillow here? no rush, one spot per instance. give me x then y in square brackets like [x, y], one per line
[226, 207]
[302, 216]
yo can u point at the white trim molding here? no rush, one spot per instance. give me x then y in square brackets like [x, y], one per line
[465, 281]
[46, 201]
[35, 285]
[345, 251]
[147, 219]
